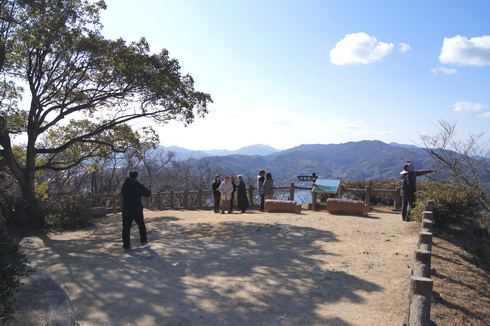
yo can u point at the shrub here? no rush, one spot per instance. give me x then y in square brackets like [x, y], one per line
[12, 267]
[452, 201]
[68, 212]
[385, 199]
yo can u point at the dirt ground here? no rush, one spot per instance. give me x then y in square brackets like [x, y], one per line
[461, 279]
[203, 268]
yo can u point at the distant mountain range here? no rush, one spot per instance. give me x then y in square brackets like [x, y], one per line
[182, 153]
[362, 160]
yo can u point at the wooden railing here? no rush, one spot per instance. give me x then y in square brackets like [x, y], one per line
[420, 293]
[203, 199]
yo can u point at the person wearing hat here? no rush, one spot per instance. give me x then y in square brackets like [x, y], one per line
[131, 192]
[408, 187]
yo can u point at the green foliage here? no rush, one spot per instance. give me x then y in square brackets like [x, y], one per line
[84, 89]
[118, 139]
[42, 190]
[67, 212]
[12, 267]
[453, 201]
[378, 184]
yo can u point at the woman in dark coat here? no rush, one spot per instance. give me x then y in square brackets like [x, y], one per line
[268, 186]
[216, 193]
[242, 195]
[233, 193]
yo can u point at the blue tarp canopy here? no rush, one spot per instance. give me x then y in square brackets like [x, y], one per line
[326, 186]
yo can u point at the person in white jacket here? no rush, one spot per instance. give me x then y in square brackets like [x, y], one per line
[226, 190]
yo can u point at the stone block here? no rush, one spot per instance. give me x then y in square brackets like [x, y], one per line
[281, 206]
[347, 206]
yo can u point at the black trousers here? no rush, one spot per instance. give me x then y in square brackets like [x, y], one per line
[128, 217]
[217, 198]
[262, 202]
[232, 201]
[408, 202]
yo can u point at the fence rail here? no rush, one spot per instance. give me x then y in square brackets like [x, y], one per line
[420, 293]
[203, 199]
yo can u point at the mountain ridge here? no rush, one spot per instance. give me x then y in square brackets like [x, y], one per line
[361, 160]
[182, 153]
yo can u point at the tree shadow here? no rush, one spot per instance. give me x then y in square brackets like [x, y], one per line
[202, 274]
[474, 248]
[370, 215]
[165, 218]
[462, 309]
[463, 270]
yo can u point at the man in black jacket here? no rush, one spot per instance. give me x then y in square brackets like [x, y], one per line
[408, 187]
[132, 191]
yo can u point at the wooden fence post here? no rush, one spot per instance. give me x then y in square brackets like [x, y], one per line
[425, 240]
[115, 198]
[367, 199]
[419, 311]
[251, 198]
[159, 201]
[428, 215]
[199, 199]
[427, 225]
[291, 192]
[185, 200]
[420, 282]
[422, 263]
[430, 205]
[171, 199]
[313, 201]
[397, 200]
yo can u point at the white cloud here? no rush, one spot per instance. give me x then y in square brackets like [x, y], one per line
[443, 71]
[472, 107]
[359, 48]
[404, 47]
[465, 51]
[485, 115]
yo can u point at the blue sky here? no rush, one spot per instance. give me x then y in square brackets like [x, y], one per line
[270, 69]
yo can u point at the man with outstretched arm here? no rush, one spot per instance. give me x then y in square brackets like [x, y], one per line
[408, 187]
[132, 191]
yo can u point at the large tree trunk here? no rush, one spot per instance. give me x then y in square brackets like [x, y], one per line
[32, 207]
[30, 213]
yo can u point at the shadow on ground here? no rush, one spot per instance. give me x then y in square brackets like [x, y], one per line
[203, 274]
[461, 263]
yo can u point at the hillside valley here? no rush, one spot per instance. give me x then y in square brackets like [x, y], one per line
[363, 160]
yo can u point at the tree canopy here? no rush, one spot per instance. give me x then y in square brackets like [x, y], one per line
[83, 88]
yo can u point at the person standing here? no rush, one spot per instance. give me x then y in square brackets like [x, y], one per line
[260, 188]
[225, 189]
[216, 193]
[242, 195]
[405, 193]
[233, 193]
[408, 188]
[268, 186]
[131, 192]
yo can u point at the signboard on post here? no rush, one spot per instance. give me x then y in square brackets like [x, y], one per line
[310, 178]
